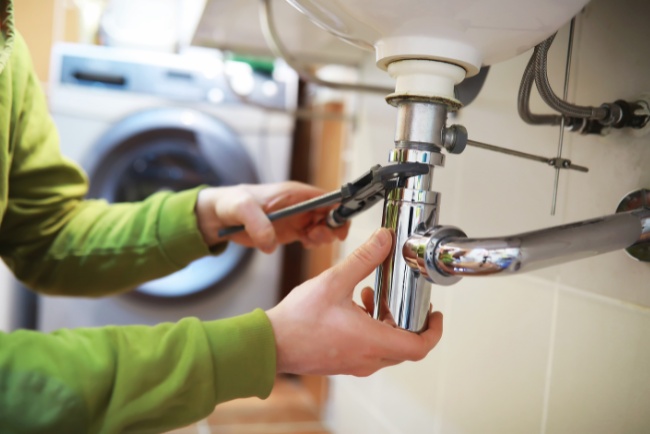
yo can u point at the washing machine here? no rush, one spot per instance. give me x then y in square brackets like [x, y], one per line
[142, 122]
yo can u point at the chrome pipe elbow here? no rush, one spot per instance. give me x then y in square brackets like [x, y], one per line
[419, 253]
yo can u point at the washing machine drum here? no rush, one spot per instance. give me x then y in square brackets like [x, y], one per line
[172, 149]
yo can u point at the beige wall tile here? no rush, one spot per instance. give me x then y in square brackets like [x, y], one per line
[486, 375]
[600, 381]
[350, 411]
[410, 393]
[498, 341]
[612, 62]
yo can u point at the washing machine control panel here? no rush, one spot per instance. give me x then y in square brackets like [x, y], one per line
[187, 78]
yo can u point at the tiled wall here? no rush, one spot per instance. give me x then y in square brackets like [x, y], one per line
[561, 350]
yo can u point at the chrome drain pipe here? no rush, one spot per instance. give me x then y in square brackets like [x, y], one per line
[445, 253]
[402, 294]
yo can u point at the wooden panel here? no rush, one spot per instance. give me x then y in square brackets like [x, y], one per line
[328, 137]
[293, 263]
[43, 22]
[35, 21]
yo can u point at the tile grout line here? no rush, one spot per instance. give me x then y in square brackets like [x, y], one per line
[606, 299]
[591, 295]
[549, 361]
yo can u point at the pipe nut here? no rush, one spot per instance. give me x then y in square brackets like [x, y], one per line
[455, 139]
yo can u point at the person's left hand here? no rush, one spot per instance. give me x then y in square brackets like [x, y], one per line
[248, 204]
[320, 330]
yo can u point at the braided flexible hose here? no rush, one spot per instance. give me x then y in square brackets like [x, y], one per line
[523, 99]
[547, 94]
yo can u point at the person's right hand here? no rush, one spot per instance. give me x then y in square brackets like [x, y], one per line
[247, 205]
[320, 330]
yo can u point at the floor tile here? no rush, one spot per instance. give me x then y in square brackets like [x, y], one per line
[289, 409]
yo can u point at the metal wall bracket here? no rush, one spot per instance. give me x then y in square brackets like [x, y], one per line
[637, 200]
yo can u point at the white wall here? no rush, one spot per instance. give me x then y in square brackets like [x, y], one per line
[561, 350]
[7, 299]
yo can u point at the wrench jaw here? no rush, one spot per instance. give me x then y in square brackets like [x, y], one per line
[371, 187]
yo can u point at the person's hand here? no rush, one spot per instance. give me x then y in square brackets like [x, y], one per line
[247, 205]
[320, 330]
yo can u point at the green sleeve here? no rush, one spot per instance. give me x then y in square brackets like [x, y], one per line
[132, 379]
[51, 238]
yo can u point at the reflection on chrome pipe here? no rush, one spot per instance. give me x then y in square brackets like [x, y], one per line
[419, 255]
[441, 256]
[420, 123]
[402, 294]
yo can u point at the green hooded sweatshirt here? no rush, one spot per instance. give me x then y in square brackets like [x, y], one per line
[116, 379]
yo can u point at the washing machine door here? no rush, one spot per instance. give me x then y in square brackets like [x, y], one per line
[172, 149]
